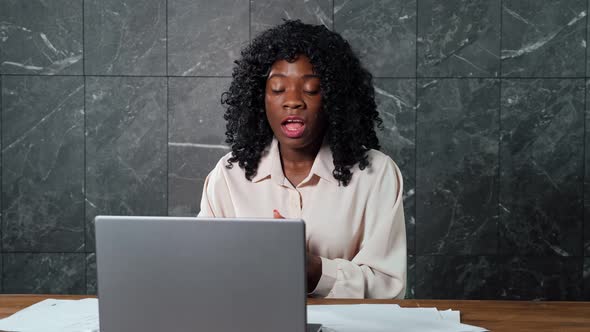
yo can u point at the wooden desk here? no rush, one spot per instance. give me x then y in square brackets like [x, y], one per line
[510, 316]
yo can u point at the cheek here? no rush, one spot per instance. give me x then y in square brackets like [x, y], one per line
[271, 102]
[319, 120]
[270, 107]
[266, 100]
[316, 107]
[317, 102]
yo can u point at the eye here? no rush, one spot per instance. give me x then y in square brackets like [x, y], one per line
[311, 87]
[276, 88]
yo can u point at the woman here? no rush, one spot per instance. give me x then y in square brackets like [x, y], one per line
[300, 123]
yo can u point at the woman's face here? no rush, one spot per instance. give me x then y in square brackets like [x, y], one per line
[293, 103]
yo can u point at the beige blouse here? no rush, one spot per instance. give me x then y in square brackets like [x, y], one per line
[357, 230]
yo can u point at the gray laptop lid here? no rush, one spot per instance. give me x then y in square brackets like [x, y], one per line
[192, 274]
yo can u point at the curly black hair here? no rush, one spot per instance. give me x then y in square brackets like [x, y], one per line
[348, 97]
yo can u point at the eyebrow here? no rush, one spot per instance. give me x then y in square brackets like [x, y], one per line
[283, 75]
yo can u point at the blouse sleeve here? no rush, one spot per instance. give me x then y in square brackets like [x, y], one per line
[378, 270]
[215, 201]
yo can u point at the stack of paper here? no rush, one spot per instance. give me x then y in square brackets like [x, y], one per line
[82, 316]
[55, 316]
[386, 318]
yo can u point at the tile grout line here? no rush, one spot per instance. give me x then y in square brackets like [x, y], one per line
[167, 140]
[84, 140]
[167, 122]
[333, 15]
[85, 192]
[499, 171]
[166, 13]
[1, 181]
[584, 138]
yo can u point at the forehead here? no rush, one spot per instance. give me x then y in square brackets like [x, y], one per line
[301, 66]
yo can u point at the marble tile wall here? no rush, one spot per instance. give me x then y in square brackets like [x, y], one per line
[113, 107]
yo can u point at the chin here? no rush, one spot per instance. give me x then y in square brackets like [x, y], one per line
[293, 142]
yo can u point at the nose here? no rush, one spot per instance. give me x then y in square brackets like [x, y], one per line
[293, 100]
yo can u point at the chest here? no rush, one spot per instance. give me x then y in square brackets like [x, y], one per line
[333, 214]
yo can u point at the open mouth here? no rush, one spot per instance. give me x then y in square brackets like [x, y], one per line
[293, 127]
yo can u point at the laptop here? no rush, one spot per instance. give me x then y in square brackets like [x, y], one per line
[197, 274]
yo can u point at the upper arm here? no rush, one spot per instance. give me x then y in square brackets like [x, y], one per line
[383, 248]
[216, 198]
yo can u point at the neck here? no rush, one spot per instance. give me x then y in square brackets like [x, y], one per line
[299, 159]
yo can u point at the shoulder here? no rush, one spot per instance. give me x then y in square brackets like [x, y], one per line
[379, 162]
[382, 168]
[221, 163]
[221, 171]
[224, 160]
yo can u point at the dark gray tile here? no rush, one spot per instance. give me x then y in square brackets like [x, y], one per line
[411, 278]
[586, 276]
[268, 13]
[196, 113]
[205, 39]
[543, 39]
[43, 273]
[43, 163]
[41, 37]
[457, 277]
[541, 167]
[189, 166]
[396, 104]
[540, 278]
[125, 37]
[91, 283]
[456, 166]
[493, 277]
[196, 139]
[125, 148]
[459, 38]
[382, 33]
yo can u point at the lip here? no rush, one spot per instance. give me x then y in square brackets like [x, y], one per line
[293, 133]
[292, 118]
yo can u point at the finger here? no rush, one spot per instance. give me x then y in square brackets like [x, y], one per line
[277, 215]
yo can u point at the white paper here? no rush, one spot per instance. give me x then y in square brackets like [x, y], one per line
[55, 316]
[82, 316]
[385, 318]
[452, 315]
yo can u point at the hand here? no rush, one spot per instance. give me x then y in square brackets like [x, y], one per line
[313, 267]
[313, 263]
[277, 215]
